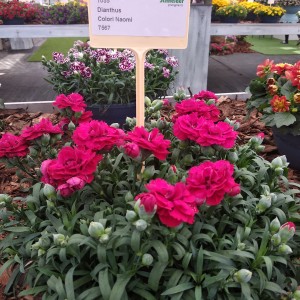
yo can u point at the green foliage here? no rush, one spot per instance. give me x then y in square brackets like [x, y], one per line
[88, 246]
[234, 10]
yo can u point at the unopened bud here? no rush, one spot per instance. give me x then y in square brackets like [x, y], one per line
[147, 101]
[287, 231]
[96, 229]
[284, 249]
[71, 126]
[242, 276]
[128, 197]
[274, 225]
[104, 238]
[141, 225]
[59, 239]
[233, 157]
[263, 204]
[33, 152]
[147, 259]
[49, 191]
[131, 216]
[45, 139]
[276, 239]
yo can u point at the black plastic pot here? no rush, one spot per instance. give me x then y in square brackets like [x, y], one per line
[113, 113]
[269, 19]
[288, 145]
[14, 21]
[227, 19]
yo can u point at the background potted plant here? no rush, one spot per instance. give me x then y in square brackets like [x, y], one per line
[291, 6]
[232, 13]
[216, 4]
[250, 6]
[16, 12]
[269, 14]
[106, 77]
[275, 93]
[173, 210]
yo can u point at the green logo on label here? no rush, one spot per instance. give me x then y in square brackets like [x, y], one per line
[171, 1]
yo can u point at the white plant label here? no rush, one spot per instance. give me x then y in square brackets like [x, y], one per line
[148, 18]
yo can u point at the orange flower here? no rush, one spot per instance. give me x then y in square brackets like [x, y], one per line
[281, 68]
[265, 68]
[280, 104]
[293, 74]
[270, 81]
[297, 98]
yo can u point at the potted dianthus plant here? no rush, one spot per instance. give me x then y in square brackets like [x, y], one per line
[172, 210]
[275, 93]
[232, 13]
[269, 14]
[14, 12]
[106, 78]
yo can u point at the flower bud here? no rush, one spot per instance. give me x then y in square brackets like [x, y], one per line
[274, 225]
[147, 101]
[278, 171]
[241, 246]
[41, 252]
[276, 239]
[211, 102]
[33, 152]
[104, 238]
[284, 249]
[128, 197]
[108, 230]
[96, 229]
[296, 295]
[233, 157]
[49, 191]
[45, 139]
[287, 231]
[71, 126]
[188, 159]
[141, 225]
[260, 148]
[161, 124]
[59, 239]
[130, 216]
[147, 259]
[50, 204]
[242, 276]
[276, 163]
[5, 198]
[263, 204]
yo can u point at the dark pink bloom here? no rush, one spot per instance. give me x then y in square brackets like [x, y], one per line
[148, 201]
[205, 95]
[44, 127]
[175, 204]
[74, 101]
[207, 111]
[97, 135]
[12, 146]
[204, 132]
[261, 135]
[73, 184]
[70, 163]
[210, 181]
[152, 141]
[132, 150]
[287, 231]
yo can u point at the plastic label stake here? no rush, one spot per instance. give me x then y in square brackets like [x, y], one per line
[139, 25]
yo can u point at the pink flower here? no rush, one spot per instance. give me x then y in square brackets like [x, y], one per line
[97, 135]
[166, 72]
[200, 107]
[293, 74]
[13, 146]
[70, 163]
[210, 181]
[148, 201]
[152, 141]
[44, 127]
[132, 150]
[74, 101]
[175, 204]
[205, 95]
[261, 135]
[204, 132]
[73, 184]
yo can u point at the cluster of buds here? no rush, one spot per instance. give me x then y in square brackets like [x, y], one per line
[60, 240]
[42, 244]
[96, 230]
[281, 235]
[279, 164]
[144, 211]
[256, 142]
[266, 200]
[4, 200]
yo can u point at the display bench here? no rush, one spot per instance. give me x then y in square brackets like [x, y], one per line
[193, 72]
[40, 31]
